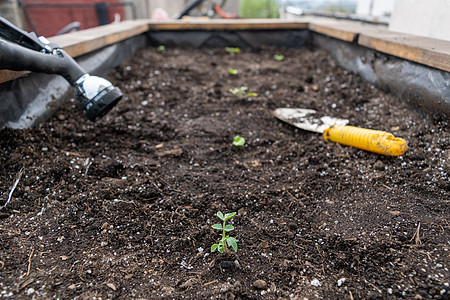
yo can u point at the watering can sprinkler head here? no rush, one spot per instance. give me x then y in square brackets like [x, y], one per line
[22, 51]
[96, 96]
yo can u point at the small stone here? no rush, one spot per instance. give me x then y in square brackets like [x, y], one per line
[379, 166]
[72, 287]
[111, 286]
[260, 284]
[227, 264]
[30, 291]
[316, 283]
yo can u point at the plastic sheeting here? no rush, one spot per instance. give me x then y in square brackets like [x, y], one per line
[236, 38]
[419, 85]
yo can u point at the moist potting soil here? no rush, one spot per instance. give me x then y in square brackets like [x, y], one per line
[124, 207]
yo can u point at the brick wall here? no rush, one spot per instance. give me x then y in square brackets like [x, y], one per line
[10, 11]
[48, 20]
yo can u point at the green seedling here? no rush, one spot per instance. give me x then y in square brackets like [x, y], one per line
[161, 49]
[233, 71]
[242, 92]
[278, 57]
[226, 240]
[232, 50]
[238, 141]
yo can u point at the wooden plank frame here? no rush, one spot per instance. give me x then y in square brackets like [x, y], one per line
[426, 51]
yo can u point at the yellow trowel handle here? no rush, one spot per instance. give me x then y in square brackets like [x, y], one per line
[376, 141]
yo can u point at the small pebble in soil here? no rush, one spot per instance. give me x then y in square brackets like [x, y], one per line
[260, 284]
[316, 283]
[227, 264]
[379, 166]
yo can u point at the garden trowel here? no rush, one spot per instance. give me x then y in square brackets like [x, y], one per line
[336, 130]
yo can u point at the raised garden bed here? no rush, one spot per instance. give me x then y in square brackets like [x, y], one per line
[124, 208]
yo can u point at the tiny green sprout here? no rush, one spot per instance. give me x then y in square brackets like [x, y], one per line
[232, 50]
[242, 92]
[226, 240]
[278, 57]
[233, 71]
[161, 49]
[238, 141]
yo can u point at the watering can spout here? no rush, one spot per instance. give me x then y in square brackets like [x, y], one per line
[21, 51]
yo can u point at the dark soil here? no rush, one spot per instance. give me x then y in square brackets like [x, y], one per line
[123, 208]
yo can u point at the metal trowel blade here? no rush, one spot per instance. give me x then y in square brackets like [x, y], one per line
[307, 119]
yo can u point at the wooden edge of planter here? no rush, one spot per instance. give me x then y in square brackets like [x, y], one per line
[85, 41]
[223, 24]
[427, 51]
[341, 30]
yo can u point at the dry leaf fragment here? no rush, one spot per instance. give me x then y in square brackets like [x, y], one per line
[111, 286]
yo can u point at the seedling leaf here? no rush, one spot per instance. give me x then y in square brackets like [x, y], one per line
[229, 215]
[220, 215]
[232, 50]
[161, 48]
[233, 71]
[229, 227]
[238, 141]
[214, 247]
[217, 226]
[232, 243]
[278, 57]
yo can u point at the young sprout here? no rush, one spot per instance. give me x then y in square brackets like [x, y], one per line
[242, 92]
[238, 141]
[226, 240]
[278, 57]
[232, 50]
[233, 71]
[161, 49]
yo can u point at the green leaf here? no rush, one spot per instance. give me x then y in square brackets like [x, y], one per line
[252, 95]
[232, 50]
[214, 247]
[220, 215]
[238, 141]
[233, 71]
[278, 57]
[229, 215]
[229, 227]
[220, 248]
[232, 243]
[217, 226]
[161, 49]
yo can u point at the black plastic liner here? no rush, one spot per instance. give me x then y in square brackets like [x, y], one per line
[29, 100]
[422, 86]
[236, 38]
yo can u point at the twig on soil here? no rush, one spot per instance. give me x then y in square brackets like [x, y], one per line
[87, 163]
[211, 282]
[124, 201]
[16, 182]
[29, 262]
[416, 236]
[350, 295]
